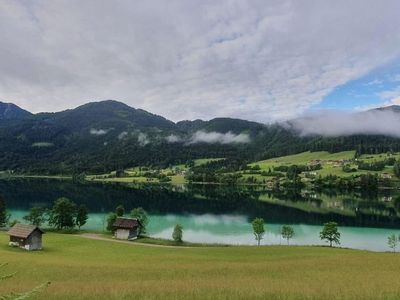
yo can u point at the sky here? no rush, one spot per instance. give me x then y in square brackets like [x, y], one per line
[261, 60]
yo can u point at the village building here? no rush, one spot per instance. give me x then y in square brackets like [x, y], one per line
[386, 176]
[28, 237]
[126, 228]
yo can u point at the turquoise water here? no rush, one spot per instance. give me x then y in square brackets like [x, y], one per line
[237, 230]
[213, 216]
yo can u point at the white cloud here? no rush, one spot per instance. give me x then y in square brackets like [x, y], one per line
[191, 59]
[95, 131]
[122, 135]
[217, 137]
[143, 139]
[374, 82]
[336, 123]
[172, 138]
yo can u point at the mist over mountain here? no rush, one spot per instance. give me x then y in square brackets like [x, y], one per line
[106, 135]
[382, 121]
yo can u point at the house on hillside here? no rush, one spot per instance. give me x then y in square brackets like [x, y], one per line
[126, 228]
[386, 176]
[27, 237]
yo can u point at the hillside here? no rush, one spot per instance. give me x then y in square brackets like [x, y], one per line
[103, 136]
[9, 111]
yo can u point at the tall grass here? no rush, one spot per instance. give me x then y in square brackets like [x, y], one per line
[89, 269]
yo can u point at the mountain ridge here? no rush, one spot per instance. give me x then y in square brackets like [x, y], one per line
[107, 135]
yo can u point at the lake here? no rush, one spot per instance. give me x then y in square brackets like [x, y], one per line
[221, 214]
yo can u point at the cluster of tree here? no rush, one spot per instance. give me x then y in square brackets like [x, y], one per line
[396, 169]
[297, 169]
[65, 214]
[210, 176]
[4, 215]
[372, 166]
[366, 182]
[329, 232]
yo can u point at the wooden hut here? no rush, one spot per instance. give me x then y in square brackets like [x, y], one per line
[126, 228]
[28, 237]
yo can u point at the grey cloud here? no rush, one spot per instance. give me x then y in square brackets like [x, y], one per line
[335, 123]
[217, 137]
[257, 60]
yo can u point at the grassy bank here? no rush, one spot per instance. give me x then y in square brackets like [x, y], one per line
[89, 269]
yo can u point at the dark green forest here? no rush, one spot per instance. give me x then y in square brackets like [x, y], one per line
[102, 136]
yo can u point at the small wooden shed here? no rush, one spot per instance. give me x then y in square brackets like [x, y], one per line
[28, 237]
[126, 228]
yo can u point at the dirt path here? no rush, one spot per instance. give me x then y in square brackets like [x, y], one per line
[95, 236]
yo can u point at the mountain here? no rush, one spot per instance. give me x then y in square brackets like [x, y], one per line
[9, 111]
[101, 136]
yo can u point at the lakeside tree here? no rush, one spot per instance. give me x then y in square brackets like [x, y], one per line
[393, 241]
[112, 217]
[330, 233]
[120, 211]
[258, 229]
[140, 214]
[81, 216]
[62, 215]
[178, 233]
[4, 216]
[36, 216]
[287, 232]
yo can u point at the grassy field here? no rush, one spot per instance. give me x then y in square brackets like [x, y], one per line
[327, 167]
[303, 158]
[80, 268]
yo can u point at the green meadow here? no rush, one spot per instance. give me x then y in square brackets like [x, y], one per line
[80, 268]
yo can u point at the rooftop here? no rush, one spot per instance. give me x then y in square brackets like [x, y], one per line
[23, 230]
[126, 223]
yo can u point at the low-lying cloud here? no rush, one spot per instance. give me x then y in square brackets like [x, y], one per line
[123, 135]
[172, 138]
[335, 123]
[217, 137]
[94, 131]
[143, 139]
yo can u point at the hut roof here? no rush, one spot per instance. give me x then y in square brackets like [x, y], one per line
[23, 230]
[126, 223]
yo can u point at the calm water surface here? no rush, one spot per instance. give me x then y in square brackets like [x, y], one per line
[215, 214]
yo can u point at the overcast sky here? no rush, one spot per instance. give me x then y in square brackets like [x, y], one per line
[258, 60]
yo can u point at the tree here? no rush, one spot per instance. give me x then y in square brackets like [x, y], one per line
[258, 229]
[62, 215]
[287, 232]
[112, 217]
[178, 233]
[81, 216]
[36, 216]
[140, 214]
[393, 240]
[4, 216]
[120, 211]
[330, 233]
[396, 168]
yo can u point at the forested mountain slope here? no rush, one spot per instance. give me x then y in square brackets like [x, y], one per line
[107, 135]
